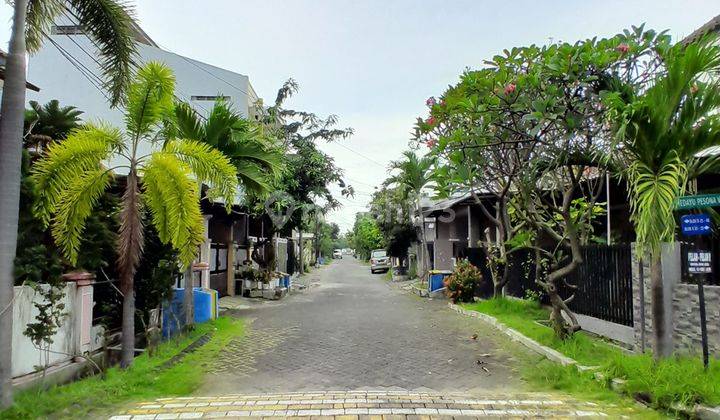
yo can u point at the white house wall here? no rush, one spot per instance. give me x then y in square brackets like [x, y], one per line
[59, 79]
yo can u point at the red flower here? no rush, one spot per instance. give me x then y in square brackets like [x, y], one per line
[430, 101]
[623, 48]
[442, 102]
[510, 88]
[431, 143]
[430, 121]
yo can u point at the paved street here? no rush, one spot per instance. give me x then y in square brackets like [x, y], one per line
[351, 346]
[352, 331]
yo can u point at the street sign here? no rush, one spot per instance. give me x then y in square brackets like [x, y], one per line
[697, 201]
[695, 224]
[699, 261]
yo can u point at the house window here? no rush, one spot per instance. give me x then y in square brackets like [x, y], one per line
[67, 30]
[209, 98]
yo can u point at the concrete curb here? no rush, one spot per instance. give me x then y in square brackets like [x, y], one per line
[533, 345]
[617, 384]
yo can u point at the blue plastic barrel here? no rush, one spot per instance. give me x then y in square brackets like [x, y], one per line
[436, 281]
[205, 301]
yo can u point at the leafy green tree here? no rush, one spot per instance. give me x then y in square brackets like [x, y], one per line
[309, 172]
[72, 177]
[366, 235]
[391, 211]
[663, 124]
[109, 24]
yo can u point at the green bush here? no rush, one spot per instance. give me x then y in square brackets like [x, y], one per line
[460, 285]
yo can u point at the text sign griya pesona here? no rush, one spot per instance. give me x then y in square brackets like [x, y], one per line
[698, 201]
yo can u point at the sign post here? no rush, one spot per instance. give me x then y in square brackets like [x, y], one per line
[699, 264]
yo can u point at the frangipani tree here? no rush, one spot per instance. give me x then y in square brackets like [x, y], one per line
[529, 130]
[74, 175]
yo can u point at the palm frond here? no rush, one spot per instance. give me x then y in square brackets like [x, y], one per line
[187, 124]
[150, 98]
[652, 200]
[83, 151]
[110, 24]
[39, 20]
[253, 179]
[75, 203]
[172, 195]
[208, 165]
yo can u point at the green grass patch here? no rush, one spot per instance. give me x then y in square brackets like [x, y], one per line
[671, 381]
[521, 314]
[679, 379]
[92, 396]
[543, 375]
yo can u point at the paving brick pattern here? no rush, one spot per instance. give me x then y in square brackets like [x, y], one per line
[368, 405]
[351, 347]
[352, 331]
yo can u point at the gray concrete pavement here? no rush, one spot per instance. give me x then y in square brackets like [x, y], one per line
[350, 331]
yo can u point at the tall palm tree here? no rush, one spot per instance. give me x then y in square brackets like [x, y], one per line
[413, 175]
[257, 159]
[109, 24]
[73, 176]
[663, 129]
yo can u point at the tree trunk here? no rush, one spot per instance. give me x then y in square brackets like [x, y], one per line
[130, 244]
[189, 300]
[11, 133]
[661, 347]
[300, 244]
[498, 290]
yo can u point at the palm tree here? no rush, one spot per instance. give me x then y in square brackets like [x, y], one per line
[662, 131]
[49, 122]
[244, 142]
[73, 176]
[109, 24]
[257, 159]
[414, 174]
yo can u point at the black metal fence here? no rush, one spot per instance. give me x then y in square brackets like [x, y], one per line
[604, 284]
[603, 280]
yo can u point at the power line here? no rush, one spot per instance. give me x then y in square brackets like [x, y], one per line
[94, 58]
[94, 80]
[361, 155]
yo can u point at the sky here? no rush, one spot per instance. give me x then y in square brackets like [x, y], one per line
[373, 63]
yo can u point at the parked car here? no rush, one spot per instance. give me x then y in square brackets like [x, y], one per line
[379, 261]
[337, 254]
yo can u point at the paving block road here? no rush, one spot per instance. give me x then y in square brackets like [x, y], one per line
[351, 346]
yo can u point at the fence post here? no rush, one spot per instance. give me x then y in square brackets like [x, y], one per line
[84, 307]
